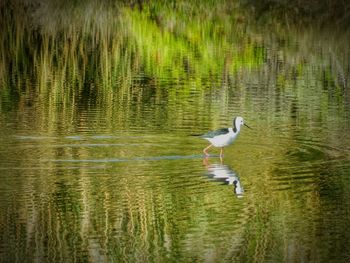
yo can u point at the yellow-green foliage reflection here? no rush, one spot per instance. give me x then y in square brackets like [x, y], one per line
[159, 71]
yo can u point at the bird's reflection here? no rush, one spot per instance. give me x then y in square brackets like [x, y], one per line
[222, 172]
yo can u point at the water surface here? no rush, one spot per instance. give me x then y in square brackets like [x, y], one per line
[98, 162]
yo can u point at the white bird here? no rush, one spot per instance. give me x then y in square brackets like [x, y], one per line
[224, 137]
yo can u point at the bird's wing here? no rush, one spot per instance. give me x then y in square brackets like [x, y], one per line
[212, 134]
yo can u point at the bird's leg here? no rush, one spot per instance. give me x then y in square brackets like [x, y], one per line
[205, 150]
[222, 151]
[206, 161]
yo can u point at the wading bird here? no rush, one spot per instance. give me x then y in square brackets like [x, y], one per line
[223, 137]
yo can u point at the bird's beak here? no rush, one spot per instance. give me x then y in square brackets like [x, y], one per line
[247, 126]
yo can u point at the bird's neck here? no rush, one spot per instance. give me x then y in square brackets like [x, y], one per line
[236, 127]
[235, 130]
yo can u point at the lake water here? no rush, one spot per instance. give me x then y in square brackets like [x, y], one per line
[98, 162]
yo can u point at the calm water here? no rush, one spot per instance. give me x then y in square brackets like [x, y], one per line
[98, 162]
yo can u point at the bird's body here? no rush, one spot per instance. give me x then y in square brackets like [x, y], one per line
[224, 137]
[221, 137]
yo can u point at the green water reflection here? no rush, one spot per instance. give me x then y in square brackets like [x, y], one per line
[98, 105]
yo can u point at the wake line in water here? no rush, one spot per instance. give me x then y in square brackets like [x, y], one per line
[136, 159]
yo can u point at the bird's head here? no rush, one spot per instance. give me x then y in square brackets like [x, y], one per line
[238, 122]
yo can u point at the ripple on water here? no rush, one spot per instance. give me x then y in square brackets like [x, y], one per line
[306, 165]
